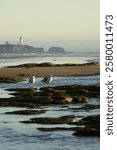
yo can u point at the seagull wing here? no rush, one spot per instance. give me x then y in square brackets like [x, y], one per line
[45, 79]
[30, 80]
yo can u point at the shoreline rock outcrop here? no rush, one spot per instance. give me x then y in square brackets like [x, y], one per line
[89, 126]
[65, 94]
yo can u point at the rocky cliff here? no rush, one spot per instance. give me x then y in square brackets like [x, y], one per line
[19, 49]
[26, 49]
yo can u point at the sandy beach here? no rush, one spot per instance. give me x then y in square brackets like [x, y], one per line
[55, 71]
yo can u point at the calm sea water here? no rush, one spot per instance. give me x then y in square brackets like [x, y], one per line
[75, 58]
[18, 136]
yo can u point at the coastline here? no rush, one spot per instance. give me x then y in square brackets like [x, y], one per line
[64, 97]
[79, 70]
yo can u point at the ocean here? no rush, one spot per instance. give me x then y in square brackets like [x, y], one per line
[18, 136]
[70, 57]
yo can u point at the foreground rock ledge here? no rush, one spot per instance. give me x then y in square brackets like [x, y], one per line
[87, 126]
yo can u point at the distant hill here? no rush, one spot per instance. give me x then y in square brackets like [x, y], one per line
[56, 50]
[26, 49]
[19, 49]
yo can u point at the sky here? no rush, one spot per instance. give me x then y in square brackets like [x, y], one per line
[49, 20]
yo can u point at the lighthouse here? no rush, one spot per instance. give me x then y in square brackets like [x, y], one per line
[21, 41]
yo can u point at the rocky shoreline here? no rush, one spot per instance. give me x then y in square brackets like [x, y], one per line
[63, 96]
[66, 94]
[33, 99]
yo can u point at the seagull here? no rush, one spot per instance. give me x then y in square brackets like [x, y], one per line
[47, 79]
[32, 79]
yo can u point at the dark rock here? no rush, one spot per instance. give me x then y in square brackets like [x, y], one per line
[26, 112]
[76, 90]
[87, 107]
[10, 80]
[58, 129]
[45, 120]
[48, 64]
[7, 103]
[62, 99]
[93, 120]
[51, 95]
[80, 99]
[90, 126]
[29, 65]
[84, 131]
[84, 91]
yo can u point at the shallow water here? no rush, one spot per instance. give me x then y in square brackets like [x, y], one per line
[19, 136]
[57, 81]
[37, 140]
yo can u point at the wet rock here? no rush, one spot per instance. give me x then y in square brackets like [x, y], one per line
[49, 64]
[10, 80]
[80, 99]
[45, 120]
[62, 99]
[84, 91]
[89, 126]
[26, 112]
[51, 95]
[93, 120]
[87, 107]
[58, 129]
[18, 102]
[85, 131]
[90, 107]
[68, 99]
[74, 90]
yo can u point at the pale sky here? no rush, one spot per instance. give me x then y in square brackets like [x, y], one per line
[49, 20]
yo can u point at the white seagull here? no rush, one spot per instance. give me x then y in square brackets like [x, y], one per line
[32, 80]
[47, 79]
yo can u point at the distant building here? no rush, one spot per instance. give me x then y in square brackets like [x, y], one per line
[21, 41]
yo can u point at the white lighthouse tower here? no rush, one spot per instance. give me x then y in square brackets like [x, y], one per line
[21, 41]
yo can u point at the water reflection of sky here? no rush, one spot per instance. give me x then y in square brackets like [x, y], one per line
[5, 94]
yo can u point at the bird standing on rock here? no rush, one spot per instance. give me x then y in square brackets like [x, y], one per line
[47, 79]
[32, 79]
